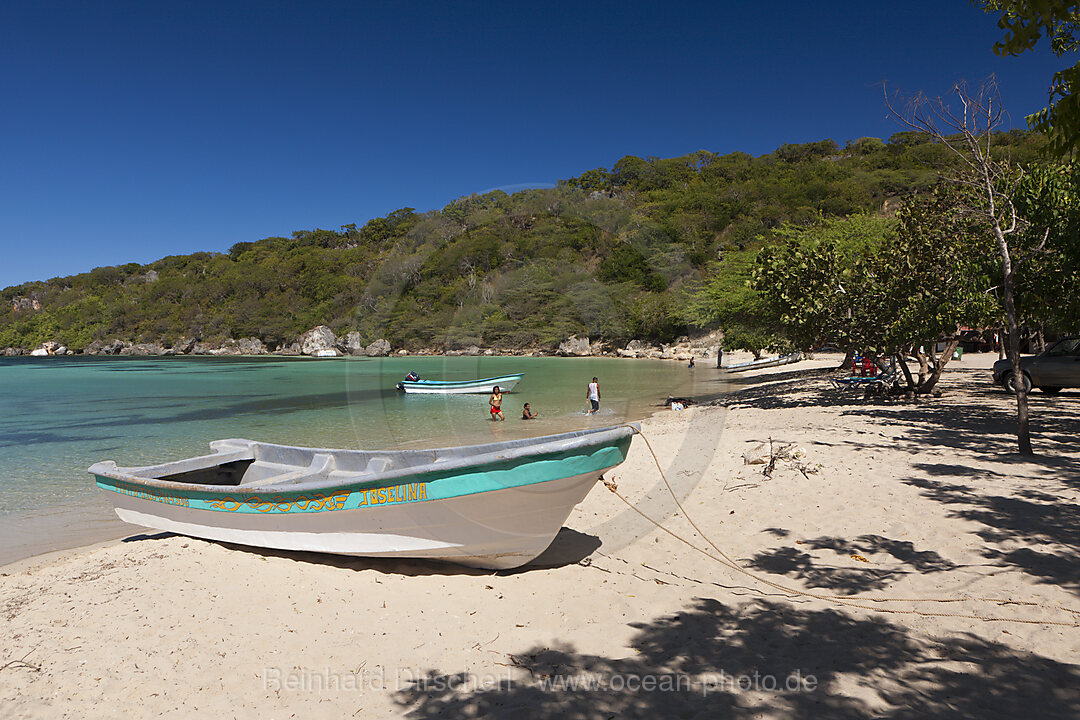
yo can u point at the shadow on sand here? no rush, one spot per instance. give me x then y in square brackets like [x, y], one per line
[1025, 507]
[568, 548]
[758, 660]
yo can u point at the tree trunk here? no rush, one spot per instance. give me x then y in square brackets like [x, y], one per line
[849, 357]
[1023, 432]
[906, 370]
[938, 367]
[924, 367]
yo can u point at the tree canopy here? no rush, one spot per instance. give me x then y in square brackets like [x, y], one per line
[1026, 23]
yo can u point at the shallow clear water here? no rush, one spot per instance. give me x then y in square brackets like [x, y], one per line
[60, 415]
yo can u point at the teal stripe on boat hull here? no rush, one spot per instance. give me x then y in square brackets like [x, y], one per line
[434, 484]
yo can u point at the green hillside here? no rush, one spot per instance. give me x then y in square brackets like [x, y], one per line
[615, 254]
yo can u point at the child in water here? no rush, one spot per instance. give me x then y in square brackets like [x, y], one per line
[495, 401]
[527, 413]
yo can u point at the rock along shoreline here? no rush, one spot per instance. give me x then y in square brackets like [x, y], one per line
[321, 342]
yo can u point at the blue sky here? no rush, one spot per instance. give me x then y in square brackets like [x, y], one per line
[134, 130]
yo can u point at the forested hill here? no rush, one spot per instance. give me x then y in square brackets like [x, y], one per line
[615, 254]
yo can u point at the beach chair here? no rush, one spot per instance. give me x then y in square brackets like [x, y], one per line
[877, 382]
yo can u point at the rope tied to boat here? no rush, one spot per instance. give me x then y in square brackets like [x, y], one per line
[844, 600]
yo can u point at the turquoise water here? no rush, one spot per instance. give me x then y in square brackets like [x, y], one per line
[60, 415]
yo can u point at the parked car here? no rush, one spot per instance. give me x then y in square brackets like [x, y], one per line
[1055, 368]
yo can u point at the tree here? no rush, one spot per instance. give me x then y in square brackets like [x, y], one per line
[813, 284]
[1048, 281]
[1025, 23]
[881, 287]
[934, 280]
[727, 302]
[987, 183]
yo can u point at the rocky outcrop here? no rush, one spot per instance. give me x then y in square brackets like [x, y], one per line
[22, 304]
[97, 347]
[379, 348]
[352, 344]
[639, 349]
[183, 346]
[318, 340]
[142, 349]
[250, 346]
[683, 349]
[575, 347]
[242, 347]
[49, 347]
[11, 352]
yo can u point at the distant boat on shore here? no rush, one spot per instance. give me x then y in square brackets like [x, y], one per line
[497, 505]
[762, 363]
[506, 383]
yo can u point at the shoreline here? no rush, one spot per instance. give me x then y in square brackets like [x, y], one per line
[396, 354]
[888, 498]
[71, 525]
[321, 343]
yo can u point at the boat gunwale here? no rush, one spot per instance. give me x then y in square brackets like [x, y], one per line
[498, 453]
[455, 383]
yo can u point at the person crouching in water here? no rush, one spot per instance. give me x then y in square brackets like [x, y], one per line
[495, 401]
[527, 413]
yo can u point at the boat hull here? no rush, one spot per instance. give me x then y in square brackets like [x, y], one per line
[500, 511]
[496, 530]
[506, 383]
[756, 364]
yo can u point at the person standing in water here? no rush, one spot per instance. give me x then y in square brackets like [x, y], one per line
[495, 401]
[527, 413]
[592, 394]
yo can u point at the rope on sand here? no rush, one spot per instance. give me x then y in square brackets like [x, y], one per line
[844, 600]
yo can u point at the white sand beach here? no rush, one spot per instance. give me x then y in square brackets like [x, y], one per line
[895, 499]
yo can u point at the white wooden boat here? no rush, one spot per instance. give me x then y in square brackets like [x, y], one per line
[506, 383]
[497, 505]
[762, 363]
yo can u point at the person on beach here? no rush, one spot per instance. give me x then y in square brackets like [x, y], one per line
[592, 394]
[527, 413]
[495, 401]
